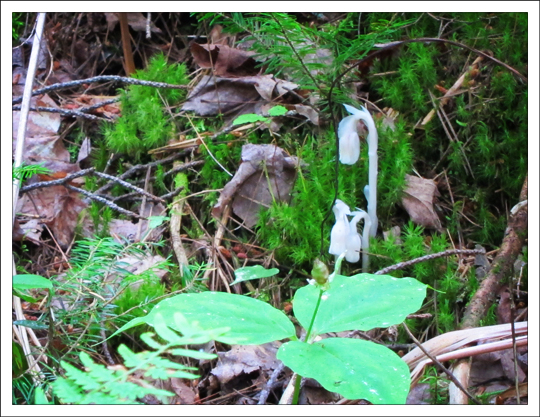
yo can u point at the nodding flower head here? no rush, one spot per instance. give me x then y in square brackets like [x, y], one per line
[340, 230]
[354, 244]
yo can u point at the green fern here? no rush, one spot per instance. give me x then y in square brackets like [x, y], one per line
[98, 384]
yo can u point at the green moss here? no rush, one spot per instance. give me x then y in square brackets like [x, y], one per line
[145, 124]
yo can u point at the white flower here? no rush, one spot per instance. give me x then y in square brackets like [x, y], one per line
[349, 142]
[354, 244]
[340, 231]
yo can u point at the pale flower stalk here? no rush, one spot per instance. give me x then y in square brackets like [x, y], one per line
[340, 230]
[349, 152]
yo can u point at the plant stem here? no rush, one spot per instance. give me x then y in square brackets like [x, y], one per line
[296, 394]
[298, 377]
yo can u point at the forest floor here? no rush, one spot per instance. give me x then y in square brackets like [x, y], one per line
[166, 152]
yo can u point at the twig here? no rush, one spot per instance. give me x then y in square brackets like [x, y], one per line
[450, 252]
[501, 266]
[439, 365]
[25, 108]
[270, 384]
[99, 78]
[136, 168]
[143, 205]
[72, 113]
[100, 199]
[129, 65]
[128, 185]
[60, 181]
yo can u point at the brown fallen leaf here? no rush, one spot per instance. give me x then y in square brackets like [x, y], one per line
[266, 173]
[245, 360]
[226, 61]
[235, 96]
[136, 20]
[29, 230]
[418, 201]
[57, 207]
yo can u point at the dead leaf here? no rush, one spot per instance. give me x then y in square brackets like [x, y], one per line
[418, 201]
[30, 230]
[137, 265]
[420, 394]
[226, 61]
[245, 360]
[235, 96]
[57, 207]
[84, 151]
[136, 20]
[308, 112]
[266, 172]
[39, 123]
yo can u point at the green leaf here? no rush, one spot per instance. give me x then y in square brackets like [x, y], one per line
[253, 272]
[36, 325]
[461, 123]
[351, 367]
[24, 296]
[249, 321]
[360, 302]
[277, 111]
[249, 118]
[155, 221]
[40, 398]
[18, 360]
[29, 281]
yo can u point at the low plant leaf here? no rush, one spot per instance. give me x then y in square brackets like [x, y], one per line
[277, 111]
[250, 321]
[356, 369]
[29, 281]
[253, 272]
[360, 302]
[249, 118]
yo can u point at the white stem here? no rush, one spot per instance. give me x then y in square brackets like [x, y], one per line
[372, 140]
[358, 215]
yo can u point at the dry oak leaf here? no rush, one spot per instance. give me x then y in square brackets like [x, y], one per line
[418, 201]
[226, 61]
[266, 173]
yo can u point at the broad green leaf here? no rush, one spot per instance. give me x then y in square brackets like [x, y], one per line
[351, 367]
[250, 321]
[29, 281]
[360, 302]
[249, 118]
[277, 111]
[253, 272]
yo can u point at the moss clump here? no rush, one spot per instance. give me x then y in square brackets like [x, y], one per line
[144, 123]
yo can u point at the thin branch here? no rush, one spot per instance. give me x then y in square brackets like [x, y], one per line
[128, 185]
[141, 167]
[60, 181]
[450, 252]
[99, 78]
[439, 365]
[72, 113]
[100, 199]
